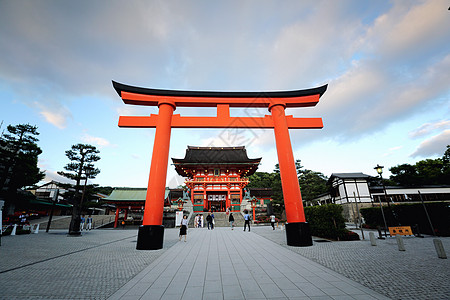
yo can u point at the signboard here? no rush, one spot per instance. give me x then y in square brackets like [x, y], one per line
[400, 230]
[178, 218]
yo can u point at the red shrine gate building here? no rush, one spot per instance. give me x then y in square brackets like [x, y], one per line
[216, 176]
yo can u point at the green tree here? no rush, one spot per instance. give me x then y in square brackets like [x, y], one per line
[405, 175]
[81, 167]
[430, 171]
[312, 184]
[18, 162]
[105, 190]
[446, 165]
[424, 172]
[269, 180]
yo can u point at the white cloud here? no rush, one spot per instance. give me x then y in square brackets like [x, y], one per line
[410, 29]
[55, 114]
[428, 128]
[99, 141]
[392, 150]
[54, 176]
[435, 145]
[136, 156]
[385, 61]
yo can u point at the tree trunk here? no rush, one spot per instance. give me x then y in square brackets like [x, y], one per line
[74, 227]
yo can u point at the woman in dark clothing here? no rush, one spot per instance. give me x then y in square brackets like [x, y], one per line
[231, 220]
[183, 227]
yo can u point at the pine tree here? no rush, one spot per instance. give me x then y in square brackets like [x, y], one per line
[81, 167]
[18, 162]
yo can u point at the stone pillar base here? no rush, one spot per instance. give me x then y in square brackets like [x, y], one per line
[150, 237]
[298, 234]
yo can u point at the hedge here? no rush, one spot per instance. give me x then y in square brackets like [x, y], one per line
[410, 215]
[327, 221]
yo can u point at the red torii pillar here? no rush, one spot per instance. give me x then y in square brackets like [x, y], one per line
[151, 232]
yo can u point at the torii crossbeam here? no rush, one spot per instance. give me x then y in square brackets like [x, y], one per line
[151, 232]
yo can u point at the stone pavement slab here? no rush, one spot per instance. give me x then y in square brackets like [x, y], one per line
[416, 273]
[54, 266]
[225, 264]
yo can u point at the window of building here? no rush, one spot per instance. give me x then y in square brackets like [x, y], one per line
[216, 172]
[198, 199]
[235, 199]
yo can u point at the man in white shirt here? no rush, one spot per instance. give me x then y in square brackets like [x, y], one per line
[272, 221]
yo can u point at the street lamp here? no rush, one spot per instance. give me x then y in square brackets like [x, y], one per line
[379, 170]
[180, 203]
[253, 201]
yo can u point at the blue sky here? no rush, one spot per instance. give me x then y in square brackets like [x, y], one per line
[386, 63]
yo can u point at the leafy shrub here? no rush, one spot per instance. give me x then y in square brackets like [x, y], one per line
[8, 231]
[411, 214]
[350, 236]
[23, 231]
[326, 221]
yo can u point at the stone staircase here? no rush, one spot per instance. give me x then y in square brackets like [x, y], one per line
[63, 222]
[221, 219]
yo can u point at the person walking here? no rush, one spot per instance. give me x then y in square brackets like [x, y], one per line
[272, 221]
[212, 220]
[183, 227]
[209, 221]
[231, 220]
[89, 223]
[247, 220]
[196, 221]
[200, 221]
[82, 221]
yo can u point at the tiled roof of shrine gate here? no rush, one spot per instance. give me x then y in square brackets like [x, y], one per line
[129, 195]
[120, 87]
[215, 156]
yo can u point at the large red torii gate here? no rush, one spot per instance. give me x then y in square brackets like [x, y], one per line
[151, 232]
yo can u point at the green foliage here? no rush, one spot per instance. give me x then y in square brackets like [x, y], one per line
[269, 180]
[424, 172]
[372, 216]
[326, 221]
[312, 184]
[18, 160]
[446, 165]
[81, 167]
[411, 214]
[82, 157]
[105, 190]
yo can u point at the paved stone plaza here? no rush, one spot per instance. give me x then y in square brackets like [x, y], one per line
[219, 264]
[416, 273]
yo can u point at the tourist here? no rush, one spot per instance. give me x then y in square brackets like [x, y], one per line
[212, 220]
[183, 227]
[272, 221]
[89, 223]
[246, 220]
[209, 221]
[231, 220]
[200, 221]
[82, 222]
[196, 221]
